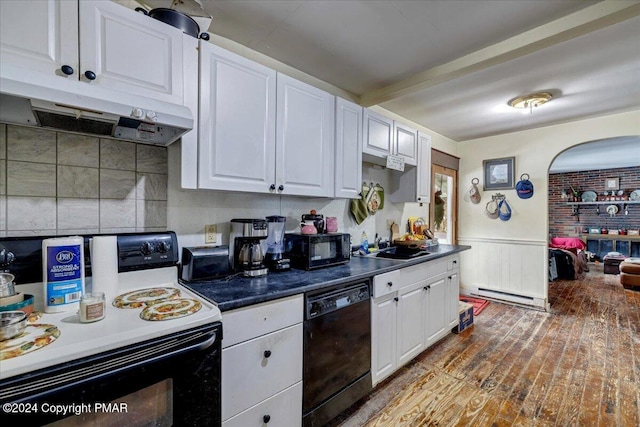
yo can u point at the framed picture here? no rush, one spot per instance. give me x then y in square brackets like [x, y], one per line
[611, 184]
[498, 173]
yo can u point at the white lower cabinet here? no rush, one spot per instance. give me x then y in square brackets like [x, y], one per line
[262, 370]
[412, 308]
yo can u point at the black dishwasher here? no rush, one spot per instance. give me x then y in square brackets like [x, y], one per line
[337, 351]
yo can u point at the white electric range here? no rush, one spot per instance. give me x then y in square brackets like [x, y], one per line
[100, 361]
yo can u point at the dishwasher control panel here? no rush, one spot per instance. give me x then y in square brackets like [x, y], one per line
[324, 303]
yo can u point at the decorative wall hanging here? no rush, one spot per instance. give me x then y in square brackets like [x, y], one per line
[498, 173]
[474, 192]
[524, 187]
[612, 183]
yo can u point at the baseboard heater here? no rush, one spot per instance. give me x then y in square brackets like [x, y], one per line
[510, 297]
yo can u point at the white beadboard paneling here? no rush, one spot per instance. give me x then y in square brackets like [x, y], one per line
[515, 267]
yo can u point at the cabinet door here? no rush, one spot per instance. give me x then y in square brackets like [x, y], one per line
[237, 122]
[453, 296]
[623, 246]
[378, 134]
[423, 168]
[436, 310]
[348, 170]
[130, 51]
[383, 337]
[305, 147]
[405, 143]
[39, 36]
[411, 321]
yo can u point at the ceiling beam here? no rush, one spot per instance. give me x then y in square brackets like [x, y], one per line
[587, 20]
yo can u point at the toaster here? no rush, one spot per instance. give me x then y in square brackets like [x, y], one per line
[204, 262]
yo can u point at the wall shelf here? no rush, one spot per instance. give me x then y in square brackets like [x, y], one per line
[609, 202]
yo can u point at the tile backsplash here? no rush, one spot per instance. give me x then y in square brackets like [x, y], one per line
[57, 183]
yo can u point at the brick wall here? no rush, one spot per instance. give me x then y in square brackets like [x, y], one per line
[561, 221]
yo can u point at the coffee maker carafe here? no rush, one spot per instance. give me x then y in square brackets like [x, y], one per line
[274, 258]
[245, 244]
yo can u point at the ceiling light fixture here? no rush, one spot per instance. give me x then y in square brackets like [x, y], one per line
[528, 102]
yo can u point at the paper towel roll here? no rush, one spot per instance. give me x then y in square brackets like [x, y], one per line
[104, 266]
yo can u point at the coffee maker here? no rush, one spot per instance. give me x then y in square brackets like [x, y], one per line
[274, 258]
[245, 243]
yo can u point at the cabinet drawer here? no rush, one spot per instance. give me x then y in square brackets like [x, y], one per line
[250, 322]
[249, 376]
[386, 283]
[282, 410]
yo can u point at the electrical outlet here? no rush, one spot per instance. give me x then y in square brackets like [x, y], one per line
[210, 233]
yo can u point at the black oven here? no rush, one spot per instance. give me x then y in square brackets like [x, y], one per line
[173, 380]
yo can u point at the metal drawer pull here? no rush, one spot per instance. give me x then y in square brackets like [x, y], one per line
[389, 284]
[267, 353]
[266, 418]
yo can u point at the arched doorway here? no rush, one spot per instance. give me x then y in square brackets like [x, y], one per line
[591, 190]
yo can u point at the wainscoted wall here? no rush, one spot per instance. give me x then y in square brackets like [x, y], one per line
[561, 221]
[57, 183]
[506, 269]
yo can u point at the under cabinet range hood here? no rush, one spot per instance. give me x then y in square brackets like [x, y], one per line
[75, 106]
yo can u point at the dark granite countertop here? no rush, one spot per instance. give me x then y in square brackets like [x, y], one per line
[236, 291]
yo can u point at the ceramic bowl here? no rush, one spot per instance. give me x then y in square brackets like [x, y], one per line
[13, 299]
[12, 323]
[25, 306]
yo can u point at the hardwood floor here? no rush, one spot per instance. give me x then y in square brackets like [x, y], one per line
[577, 365]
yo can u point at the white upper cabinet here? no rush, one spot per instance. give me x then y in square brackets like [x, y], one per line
[261, 131]
[348, 163]
[378, 135]
[39, 36]
[384, 136]
[305, 122]
[423, 169]
[96, 42]
[237, 134]
[405, 143]
[414, 184]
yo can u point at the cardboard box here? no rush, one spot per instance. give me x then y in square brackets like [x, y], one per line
[465, 317]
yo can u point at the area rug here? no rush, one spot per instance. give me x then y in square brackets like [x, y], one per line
[478, 303]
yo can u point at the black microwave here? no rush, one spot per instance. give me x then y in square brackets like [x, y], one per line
[310, 251]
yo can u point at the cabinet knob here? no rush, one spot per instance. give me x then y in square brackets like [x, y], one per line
[281, 187]
[67, 69]
[90, 75]
[455, 262]
[396, 299]
[204, 36]
[272, 187]
[426, 288]
[267, 354]
[266, 418]
[389, 284]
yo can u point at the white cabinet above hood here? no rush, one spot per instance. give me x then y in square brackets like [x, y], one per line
[74, 106]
